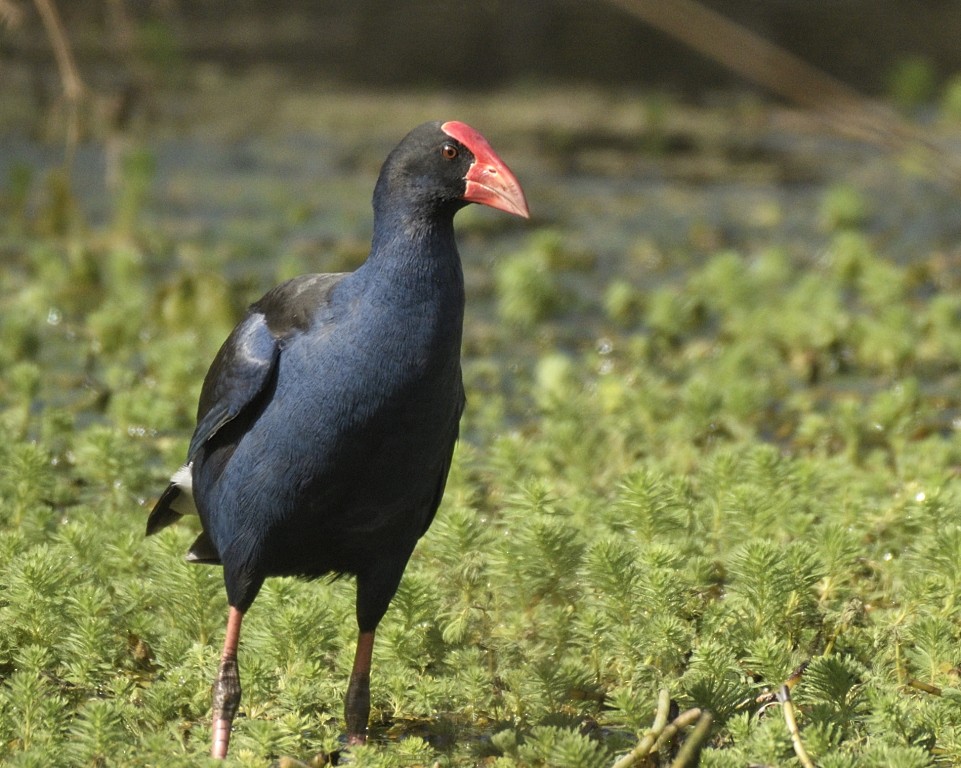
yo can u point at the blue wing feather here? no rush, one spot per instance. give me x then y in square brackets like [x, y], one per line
[248, 359]
[239, 373]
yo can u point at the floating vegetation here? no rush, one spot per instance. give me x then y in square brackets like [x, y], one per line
[731, 488]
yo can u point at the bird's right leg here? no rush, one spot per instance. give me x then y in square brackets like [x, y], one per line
[226, 691]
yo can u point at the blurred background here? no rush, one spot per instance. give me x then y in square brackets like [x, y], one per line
[244, 138]
[135, 89]
[83, 81]
[469, 45]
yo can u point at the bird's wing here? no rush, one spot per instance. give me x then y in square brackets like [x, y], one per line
[239, 373]
[247, 361]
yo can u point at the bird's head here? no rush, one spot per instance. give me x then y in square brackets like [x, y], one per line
[441, 167]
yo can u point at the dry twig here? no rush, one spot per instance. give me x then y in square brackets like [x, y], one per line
[686, 718]
[922, 686]
[11, 14]
[688, 754]
[73, 87]
[649, 739]
[661, 731]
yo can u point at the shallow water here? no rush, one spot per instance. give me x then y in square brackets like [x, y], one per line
[706, 179]
[639, 187]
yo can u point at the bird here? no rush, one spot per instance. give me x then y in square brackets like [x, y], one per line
[327, 421]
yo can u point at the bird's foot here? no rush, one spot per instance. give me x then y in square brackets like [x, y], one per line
[356, 739]
[226, 702]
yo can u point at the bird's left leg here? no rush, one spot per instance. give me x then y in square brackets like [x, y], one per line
[226, 687]
[375, 588]
[357, 703]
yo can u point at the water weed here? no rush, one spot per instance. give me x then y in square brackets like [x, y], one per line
[713, 484]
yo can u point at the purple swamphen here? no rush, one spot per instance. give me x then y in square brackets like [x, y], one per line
[327, 421]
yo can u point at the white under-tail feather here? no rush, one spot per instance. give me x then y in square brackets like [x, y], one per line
[184, 480]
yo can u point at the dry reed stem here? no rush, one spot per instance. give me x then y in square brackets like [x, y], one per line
[649, 738]
[688, 754]
[73, 87]
[843, 108]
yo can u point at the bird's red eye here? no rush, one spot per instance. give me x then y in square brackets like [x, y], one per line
[449, 151]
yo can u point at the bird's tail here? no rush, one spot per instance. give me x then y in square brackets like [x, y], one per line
[163, 513]
[175, 502]
[203, 551]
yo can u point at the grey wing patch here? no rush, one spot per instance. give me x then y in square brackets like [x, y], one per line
[163, 513]
[293, 305]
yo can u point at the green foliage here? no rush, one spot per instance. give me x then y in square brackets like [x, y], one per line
[560, 748]
[138, 168]
[951, 99]
[527, 287]
[911, 81]
[843, 207]
[622, 302]
[710, 481]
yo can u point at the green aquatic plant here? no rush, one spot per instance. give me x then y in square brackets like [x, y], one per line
[737, 473]
[912, 81]
[136, 173]
[843, 207]
[951, 99]
[526, 282]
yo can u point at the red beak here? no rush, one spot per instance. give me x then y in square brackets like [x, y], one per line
[489, 180]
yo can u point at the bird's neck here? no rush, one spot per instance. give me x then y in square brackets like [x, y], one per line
[413, 286]
[414, 255]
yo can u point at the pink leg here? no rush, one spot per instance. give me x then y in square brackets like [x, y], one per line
[226, 687]
[357, 704]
